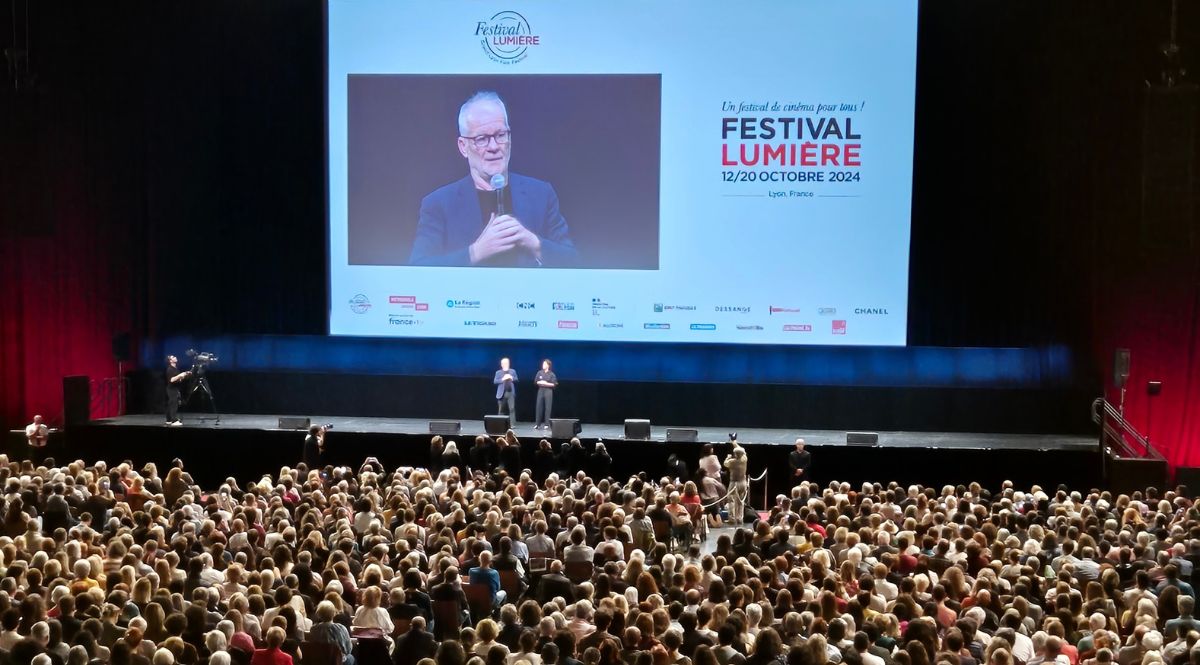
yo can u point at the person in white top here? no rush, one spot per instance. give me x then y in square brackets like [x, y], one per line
[371, 615]
[709, 462]
[36, 433]
[883, 587]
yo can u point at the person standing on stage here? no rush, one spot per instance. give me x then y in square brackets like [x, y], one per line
[506, 390]
[546, 382]
[175, 378]
[739, 485]
[798, 461]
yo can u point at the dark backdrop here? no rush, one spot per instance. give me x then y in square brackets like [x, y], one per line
[169, 162]
[603, 164]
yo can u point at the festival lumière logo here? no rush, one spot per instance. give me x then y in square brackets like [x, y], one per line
[506, 37]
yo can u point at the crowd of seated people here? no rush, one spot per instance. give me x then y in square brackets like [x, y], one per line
[495, 563]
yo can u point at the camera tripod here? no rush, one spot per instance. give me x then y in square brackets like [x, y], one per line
[201, 387]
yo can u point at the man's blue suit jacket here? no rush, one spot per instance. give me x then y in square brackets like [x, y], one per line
[499, 381]
[450, 220]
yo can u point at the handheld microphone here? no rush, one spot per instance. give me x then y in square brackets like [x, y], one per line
[498, 182]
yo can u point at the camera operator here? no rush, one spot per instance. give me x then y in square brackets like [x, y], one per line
[314, 447]
[175, 379]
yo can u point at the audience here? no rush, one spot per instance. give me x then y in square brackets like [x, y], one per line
[510, 565]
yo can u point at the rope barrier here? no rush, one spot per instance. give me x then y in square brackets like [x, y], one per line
[730, 491]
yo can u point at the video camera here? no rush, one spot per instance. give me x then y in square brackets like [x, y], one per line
[201, 360]
[202, 357]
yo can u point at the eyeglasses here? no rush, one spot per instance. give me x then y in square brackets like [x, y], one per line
[482, 140]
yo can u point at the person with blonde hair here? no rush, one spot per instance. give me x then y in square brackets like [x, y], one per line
[371, 615]
[486, 632]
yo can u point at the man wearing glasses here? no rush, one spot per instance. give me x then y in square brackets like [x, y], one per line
[491, 217]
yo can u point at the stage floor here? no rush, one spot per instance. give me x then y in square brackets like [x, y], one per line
[747, 435]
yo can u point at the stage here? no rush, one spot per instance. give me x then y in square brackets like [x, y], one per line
[615, 432]
[249, 446]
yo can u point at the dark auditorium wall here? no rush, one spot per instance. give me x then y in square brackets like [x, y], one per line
[171, 163]
[166, 173]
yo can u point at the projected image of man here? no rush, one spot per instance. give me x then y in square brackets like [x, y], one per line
[491, 217]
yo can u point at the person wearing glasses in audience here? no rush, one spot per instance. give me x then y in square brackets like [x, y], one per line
[491, 217]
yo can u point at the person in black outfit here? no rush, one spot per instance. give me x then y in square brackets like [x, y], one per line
[577, 456]
[510, 453]
[436, 447]
[414, 645]
[677, 468]
[415, 595]
[175, 378]
[314, 447]
[546, 382]
[57, 514]
[798, 461]
[600, 462]
[450, 590]
[543, 461]
[554, 583]
[562, 461]
[483, 454]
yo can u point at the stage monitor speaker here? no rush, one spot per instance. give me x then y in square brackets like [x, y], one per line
[637, 429]
[1120, 367]
[1169, 167]
[862, 438]
[564, 428]
[682, 435]
[445, 427]
[496, 425]
[294, 422]
[77, 400]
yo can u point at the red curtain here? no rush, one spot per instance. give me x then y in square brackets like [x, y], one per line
[58, 315]
[67, 281]
[1151, 306]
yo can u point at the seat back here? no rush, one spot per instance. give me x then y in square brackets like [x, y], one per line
[320, 653]
[400, 627]
[539, 560]
[510, 581]
[578, 571]
[662, 531]
[446, 619]
[479, 599]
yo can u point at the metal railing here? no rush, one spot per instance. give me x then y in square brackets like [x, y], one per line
[1117, 436]
[108, 397]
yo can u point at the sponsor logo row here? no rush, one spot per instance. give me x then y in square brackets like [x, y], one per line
[360, 304]
[403, 309]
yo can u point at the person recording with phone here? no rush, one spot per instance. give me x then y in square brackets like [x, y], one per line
[505, 381]
[491, 217]
[175, 379]
[546, 382]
